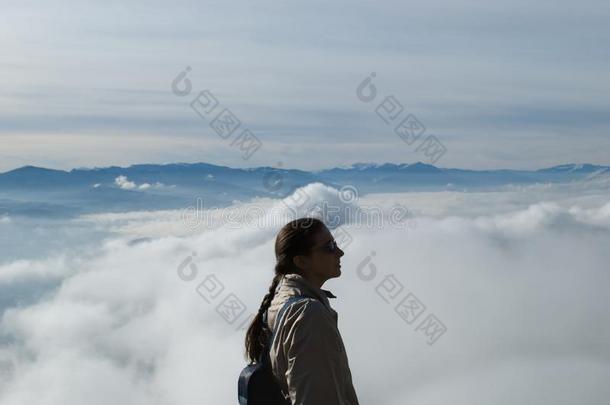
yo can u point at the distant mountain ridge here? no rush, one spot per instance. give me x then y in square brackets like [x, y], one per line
[413, 167]
[417, 166]
[173, 185]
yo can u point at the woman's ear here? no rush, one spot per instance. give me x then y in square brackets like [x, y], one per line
[300, 262]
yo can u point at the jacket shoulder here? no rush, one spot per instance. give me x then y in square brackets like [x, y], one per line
[306, 310]
[302, 305]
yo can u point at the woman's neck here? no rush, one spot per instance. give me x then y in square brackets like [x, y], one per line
[313, 280]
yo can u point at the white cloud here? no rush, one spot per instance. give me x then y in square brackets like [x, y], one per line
[30, 270]
[521, 287]
[124, 183]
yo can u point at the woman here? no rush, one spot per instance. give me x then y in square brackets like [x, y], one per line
[307, 355]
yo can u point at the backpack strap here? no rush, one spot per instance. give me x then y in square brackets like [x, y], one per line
[278, 318]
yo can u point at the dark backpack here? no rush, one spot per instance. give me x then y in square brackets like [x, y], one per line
[256, 384]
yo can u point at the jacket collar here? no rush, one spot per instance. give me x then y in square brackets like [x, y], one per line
[304, 287]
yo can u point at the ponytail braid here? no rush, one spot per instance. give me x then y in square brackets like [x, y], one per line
[294, 238]
[258, 329]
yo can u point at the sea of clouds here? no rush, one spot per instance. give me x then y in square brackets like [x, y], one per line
[517, 277]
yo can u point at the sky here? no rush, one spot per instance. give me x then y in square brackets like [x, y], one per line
[503, 84]
[518, 278]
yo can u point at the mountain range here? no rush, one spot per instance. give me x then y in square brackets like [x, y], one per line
[32, 190]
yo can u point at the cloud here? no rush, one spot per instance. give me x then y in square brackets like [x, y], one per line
[124, 183]
[56, 267]
[518, 280]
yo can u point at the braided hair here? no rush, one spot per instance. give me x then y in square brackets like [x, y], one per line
[295, 238]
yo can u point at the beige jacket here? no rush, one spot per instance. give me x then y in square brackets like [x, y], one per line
[307, 355]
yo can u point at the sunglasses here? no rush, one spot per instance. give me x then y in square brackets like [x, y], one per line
[329, 247]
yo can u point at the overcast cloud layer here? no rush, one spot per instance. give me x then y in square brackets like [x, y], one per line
[503, 84]
[520, 284]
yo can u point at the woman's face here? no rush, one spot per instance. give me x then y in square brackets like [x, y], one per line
[323, 262]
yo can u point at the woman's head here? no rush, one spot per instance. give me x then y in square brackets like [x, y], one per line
[304, 246]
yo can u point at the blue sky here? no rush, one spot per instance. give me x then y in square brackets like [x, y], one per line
[502, 84]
